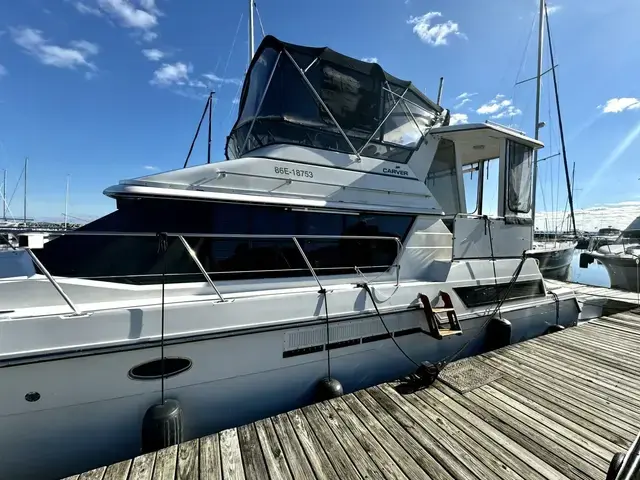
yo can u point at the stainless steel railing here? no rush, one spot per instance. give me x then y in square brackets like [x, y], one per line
[181, 236]
[630, 467]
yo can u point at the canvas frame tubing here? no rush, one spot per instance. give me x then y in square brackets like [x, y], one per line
[302, 72]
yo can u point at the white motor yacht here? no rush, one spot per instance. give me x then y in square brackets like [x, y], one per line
[333, 243]
[621, 258]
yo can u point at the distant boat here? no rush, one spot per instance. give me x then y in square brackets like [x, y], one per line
[605, 236]
[554, 258]
[621, 258]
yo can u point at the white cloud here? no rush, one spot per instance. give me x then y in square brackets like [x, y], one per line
[499, 107]
[3, 71]
[551, 9]
[462, 103]
[153, 54]
[591, 219]
[510, 111]
[87, 9]
[370, 59]
[215, 79]
[437, 34]
[149, 36]
[130, 16]
[172, 74]
[197, 84]
[84, 46]
[236, 100]
[465, 95]
[32, 41]
[458, 118]
[617, 105]
[150, 167]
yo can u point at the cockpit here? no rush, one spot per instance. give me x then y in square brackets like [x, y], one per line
[316, 97]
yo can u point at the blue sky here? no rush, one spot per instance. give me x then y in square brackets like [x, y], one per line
[109, 89]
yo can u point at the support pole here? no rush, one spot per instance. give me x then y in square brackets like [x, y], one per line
[440, 87]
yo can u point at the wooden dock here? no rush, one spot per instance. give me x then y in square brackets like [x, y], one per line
[586, 293]
[556, 407]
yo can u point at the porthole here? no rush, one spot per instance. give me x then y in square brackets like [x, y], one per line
[153, 370]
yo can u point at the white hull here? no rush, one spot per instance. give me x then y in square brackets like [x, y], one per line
[90, 412]
[623, 272]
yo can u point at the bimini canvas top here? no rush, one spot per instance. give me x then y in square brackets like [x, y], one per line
[320, 98]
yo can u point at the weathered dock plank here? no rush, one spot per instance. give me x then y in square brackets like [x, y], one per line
[556, 407]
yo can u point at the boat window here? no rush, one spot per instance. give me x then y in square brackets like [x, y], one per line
[630, 236]
[520, 161]
[136, 260]
[490, 188]
[258, 82]
[471, 177]
[442, 180]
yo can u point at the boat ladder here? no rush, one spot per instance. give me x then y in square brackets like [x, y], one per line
[437, 328]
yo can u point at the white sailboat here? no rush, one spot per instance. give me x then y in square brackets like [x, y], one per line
[333, 243]
[553, 257]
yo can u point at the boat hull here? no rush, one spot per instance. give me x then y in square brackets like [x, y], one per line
[623, 271]
[91, 411]
[553, 262]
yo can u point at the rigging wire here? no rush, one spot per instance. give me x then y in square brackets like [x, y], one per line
[233, 44]
[16, 187]
[255, 5]
[521, 67]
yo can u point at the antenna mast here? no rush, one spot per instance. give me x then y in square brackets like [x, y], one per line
[537, 118]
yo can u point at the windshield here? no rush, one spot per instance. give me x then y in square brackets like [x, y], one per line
[298, 97]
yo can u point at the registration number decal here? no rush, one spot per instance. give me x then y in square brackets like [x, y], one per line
[293, 172]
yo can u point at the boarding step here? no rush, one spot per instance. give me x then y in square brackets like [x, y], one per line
[436, 327]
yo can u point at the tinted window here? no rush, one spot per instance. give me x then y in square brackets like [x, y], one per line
[136, 259]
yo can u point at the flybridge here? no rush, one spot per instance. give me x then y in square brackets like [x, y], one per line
[316, 97]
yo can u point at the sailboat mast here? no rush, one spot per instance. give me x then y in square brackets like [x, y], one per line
[66, 204]
[537, 118]
[564, 149]
[251, 45]
[4, 195]
[26, 163]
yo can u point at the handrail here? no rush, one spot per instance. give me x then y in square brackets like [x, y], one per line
[53, 282]
[193, 255]
[630, 466]
[200, 267]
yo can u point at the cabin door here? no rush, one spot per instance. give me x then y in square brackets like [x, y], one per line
[497, 196]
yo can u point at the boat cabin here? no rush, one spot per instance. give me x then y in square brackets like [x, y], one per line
[324, 145]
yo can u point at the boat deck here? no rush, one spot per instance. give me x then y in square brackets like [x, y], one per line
[556, 407]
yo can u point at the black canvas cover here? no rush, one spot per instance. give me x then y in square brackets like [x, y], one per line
[278, 106]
